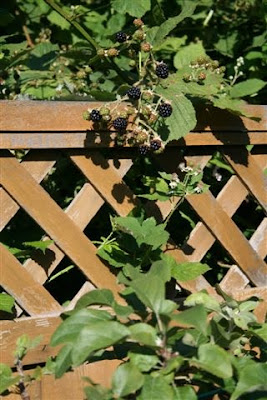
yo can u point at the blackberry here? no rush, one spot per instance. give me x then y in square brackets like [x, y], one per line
[143, 150]
[121, 37]
[134, 93]
[95, 116]
[155, 144]
[120, 123]
[162, 70]
[165, 110]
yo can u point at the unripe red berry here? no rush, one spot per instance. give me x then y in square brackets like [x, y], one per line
[138, 22]
[146, 47]
[112, 52]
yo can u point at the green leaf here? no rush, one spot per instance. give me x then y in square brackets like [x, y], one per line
[97, 336]
[184, 393]
[6, 303]
[135, 8]
[233, 105]
[144, 362]
[260, 331]
[156, 35]
[71, 327]
[246, 88]
[55, 18]
[6, 378]
[39, 245]
[98, 296]
[187, 54]
[195, 317]
[209, 302]
[144, 333]
[97, 392]
[156, 388]
[126, 379]
[226, 44]
[251, 378]
[183, 118]
[190, 270]
[214, 360]
[63, 360]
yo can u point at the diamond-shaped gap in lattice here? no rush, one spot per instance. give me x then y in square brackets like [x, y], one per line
[248, 216]
[65, 281]
[64, 181]
[100, 224]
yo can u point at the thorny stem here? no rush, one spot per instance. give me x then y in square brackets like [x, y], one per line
[23, 391]
[27, 35]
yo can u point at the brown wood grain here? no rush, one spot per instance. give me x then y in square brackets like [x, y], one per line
[38, 165]
[67, 116]
[81, 210]
[31, 296]
[229, 235]
[37, 203]
[249, 172]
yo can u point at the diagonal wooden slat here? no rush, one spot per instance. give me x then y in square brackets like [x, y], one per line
[105, 180]
[37, 203]
[259, 239]
[99, 180]
[228, 234]
[81, 210]
[38, 164]
[31, 296]
[249, 172]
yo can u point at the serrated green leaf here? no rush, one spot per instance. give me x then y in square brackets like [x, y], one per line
[143, 361]
[246, 88]
[214, 360]
[96, 336]
[69, 329]
[97, 392]
[97, 296]
[187, 54]
[183, 118]
[156, 35]
[144, 333]
[6, 303]
[156, 388]
[126, 379]
[135, 8]
[195, 317]
[252, 377]
[233, 105]
[39, 245]
[190, 270]
[63, 361]
[260, 331]
[55, 18]
[209, 302]
[6, 378]
[184, 393]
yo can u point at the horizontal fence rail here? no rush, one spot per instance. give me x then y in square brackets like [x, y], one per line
[48, 131]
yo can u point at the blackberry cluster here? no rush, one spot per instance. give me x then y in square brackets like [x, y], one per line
[121, 37]
[155, 144]
[143, 150]
[134, 93]
[95, 116]
[120, 123]
[165, 110]
[162, 70]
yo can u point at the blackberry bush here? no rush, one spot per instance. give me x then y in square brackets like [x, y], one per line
[134, 93]
[121, 37]
[120, 123]
[95, 116]
[162, 70]
[165, 110]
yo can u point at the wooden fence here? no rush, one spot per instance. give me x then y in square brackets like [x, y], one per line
[47, 129]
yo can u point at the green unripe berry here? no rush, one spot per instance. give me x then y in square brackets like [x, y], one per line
[106, 118]
[123, 114]
[101, 53]
[187, 77]
[139, 35]
[104, 111]
[132, 63]
[86, 115]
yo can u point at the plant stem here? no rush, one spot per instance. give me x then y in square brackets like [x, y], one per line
[76, 24]
[23, 391]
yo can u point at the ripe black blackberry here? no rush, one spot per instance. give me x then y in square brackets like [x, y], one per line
[120, 123]
[162, 70]
[121, 37]
[165, 110]
[95, 115]
[155, 144]
[143, 150]
[134, 93]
